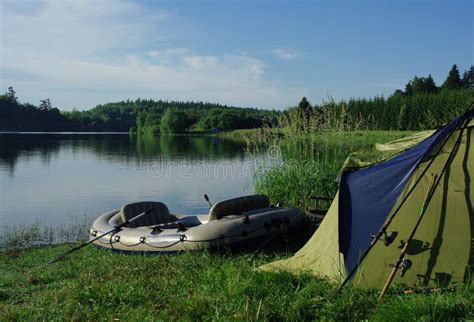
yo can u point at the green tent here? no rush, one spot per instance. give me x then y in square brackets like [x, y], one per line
[378, 207]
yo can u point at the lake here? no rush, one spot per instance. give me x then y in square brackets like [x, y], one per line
[66, 179]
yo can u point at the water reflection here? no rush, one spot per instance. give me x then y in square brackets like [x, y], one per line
[115, 147]
[57, 178]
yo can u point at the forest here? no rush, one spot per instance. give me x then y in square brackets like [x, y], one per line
[142, 115]
[420, 105]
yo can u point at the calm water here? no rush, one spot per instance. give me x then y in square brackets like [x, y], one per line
[63, 179]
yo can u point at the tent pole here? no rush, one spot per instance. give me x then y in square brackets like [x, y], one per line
[390, 219]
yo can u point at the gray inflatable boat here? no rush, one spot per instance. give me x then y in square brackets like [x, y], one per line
[248, 221]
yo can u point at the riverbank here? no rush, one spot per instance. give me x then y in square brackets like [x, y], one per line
[255, 135]
[98, 285]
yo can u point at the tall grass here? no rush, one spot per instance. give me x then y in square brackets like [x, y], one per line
[39, 234]
[329, 117]
[313, 148]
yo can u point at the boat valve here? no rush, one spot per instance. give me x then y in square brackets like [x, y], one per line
[94, 233]
[142, 240]
[117, 238]
[156, 230]
[181, 227]
[405, 265]
[390, 237]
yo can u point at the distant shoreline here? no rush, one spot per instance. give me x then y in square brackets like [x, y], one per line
[228, 135]
[45, 132]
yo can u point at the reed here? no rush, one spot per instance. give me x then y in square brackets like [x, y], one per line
[40, 234]
[310, 166]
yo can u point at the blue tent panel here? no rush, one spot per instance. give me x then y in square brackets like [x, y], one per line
[367, 195]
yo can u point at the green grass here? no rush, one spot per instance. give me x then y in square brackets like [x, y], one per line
[98, 285]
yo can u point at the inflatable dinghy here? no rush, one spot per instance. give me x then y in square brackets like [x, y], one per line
[244, 221]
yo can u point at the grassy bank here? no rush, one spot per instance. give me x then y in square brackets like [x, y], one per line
[98, 285]
[310, 164]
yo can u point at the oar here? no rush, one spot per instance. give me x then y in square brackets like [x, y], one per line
[115, 229]
[208, 201]
[400, 260]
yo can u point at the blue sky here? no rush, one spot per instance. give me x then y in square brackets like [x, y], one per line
[265, 54]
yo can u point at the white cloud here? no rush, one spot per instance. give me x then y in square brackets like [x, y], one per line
[154, 53]
[200, 62]
[82, 53]
[168, 53]
[285, 53]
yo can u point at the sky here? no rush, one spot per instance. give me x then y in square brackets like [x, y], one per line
[265, 54]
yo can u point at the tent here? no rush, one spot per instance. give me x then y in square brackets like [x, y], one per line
[416, 192]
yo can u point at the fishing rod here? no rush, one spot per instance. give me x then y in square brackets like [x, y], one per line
[401, 261]
[405, 263]
[113, 230]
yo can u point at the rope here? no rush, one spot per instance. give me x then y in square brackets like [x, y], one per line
[111, 242]
[161, 247]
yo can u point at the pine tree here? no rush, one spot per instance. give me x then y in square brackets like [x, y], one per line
[454, 80]
[409, 89]
[304, 110]
[430, 85]
[11, 95]
[468, 78]
[421, 85]
[45, 105]
[304, 106]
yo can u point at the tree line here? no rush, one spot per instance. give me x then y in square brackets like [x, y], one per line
[140, 115]
[27, 117]
[421, 105]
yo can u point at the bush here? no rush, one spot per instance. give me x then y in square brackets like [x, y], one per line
[173, 122]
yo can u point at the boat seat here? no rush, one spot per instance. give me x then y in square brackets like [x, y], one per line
[159, 215]
[237, 206]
